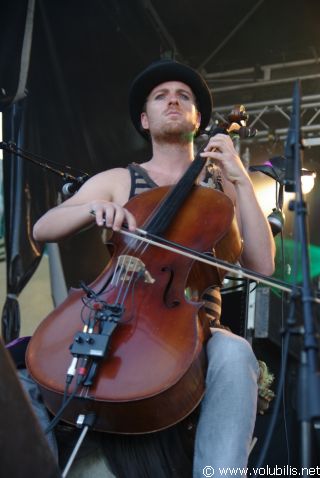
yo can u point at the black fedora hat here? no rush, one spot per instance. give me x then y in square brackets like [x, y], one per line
[168, 70]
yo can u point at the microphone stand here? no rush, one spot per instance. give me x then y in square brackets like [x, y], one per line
[309, 377]
[68, 179]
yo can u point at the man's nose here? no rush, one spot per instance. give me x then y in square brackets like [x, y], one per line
[173, 100]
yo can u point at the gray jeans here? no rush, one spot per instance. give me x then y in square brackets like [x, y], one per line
[228, 409]
[33, 394]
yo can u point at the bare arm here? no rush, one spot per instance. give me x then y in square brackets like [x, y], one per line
[104, 194]
[259, 248]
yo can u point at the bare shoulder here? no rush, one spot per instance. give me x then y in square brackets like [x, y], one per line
[111, 185]
[109, 177]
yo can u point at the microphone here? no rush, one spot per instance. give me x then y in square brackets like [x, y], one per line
[276, 221]
[10, 147]
[274, 168]
[71, 187]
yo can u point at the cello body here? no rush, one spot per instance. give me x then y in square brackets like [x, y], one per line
[153, 373]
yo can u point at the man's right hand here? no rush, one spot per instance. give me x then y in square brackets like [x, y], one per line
[112, 215]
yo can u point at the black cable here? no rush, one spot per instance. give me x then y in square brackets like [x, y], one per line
[56, 419]
[65, 392]
[14, 148]
[277, 402]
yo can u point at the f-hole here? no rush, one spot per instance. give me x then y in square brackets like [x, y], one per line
[174, 302]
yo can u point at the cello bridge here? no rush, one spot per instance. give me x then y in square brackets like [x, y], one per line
[127, 266]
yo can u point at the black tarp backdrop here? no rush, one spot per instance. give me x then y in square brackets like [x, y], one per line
[12, 19]
[21, 190]
[74, 115]
[23, 254]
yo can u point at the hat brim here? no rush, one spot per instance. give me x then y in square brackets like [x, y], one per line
[160, 72]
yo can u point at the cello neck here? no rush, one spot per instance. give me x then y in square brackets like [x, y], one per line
[170, 205]
[168, 208]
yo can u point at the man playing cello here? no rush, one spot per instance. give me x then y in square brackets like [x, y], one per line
[169, 103]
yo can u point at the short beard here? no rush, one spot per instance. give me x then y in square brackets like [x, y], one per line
[174, 137]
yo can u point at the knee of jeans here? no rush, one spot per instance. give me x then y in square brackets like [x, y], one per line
[230, 350]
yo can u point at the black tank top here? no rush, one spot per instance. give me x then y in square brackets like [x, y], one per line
[141, 181]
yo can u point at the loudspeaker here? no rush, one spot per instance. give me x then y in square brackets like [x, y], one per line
[270, 317]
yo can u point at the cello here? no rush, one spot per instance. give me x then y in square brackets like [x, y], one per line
[141, 350]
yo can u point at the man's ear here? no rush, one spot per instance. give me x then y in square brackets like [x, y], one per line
[144, 120]
[198, 120]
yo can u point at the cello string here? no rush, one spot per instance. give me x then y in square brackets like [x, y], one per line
[135, 243]
[140, 255]
[117, 272]
[132, 241]
[124, 279]
[137, 277]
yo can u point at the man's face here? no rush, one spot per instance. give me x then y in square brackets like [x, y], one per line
[171, 112]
